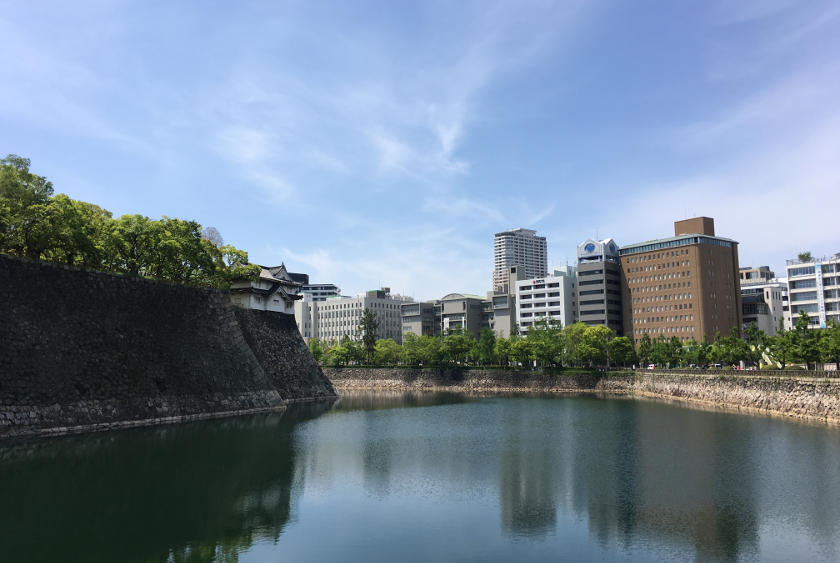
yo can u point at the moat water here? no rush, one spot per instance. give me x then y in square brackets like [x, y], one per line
[432, 477]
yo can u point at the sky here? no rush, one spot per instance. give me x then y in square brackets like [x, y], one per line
[375, 144]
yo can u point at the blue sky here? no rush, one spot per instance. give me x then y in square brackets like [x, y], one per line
[384, 143]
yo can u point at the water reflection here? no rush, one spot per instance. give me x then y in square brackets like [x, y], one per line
[451, 477]
[194, 491]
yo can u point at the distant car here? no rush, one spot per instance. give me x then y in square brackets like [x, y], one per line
[652, 366]
[693, 366]
[716, 366]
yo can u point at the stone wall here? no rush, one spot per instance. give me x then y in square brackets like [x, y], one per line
[84, 350]
[804, 397]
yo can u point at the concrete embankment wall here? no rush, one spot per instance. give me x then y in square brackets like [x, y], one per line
[804, 397]
[86, 350]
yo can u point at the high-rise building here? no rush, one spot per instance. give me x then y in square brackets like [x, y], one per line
[814, 286]
[685, 286]
[599, 284]
[518, 247]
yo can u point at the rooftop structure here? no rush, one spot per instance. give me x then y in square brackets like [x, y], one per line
[274, 290]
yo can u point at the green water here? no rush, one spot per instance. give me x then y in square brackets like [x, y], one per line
[432, 477]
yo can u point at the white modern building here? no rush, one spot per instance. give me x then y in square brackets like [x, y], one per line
[320, 291]
[274, 290]
[518, 247]
[337, 317]
[765, 303]
[551, 297]
[814, 287]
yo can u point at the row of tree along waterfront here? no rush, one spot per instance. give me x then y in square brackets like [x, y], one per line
[549, 345]
[36, 224]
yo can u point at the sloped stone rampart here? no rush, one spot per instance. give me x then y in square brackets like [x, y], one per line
[83, 350]
[801, 397]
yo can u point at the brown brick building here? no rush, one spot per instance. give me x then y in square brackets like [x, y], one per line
[685, 286]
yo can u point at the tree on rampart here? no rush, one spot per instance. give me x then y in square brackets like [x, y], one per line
[35, 224]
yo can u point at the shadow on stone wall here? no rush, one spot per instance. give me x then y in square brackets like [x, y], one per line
[83, 348]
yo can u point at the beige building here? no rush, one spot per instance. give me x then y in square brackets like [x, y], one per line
[518, 247]
[685, 286]
[337, 317]
[420, 318]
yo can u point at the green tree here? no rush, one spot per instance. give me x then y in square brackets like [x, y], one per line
[691, 352]
[807, 341]
[805, 256]
[755, 342]
[677, 356]
[520, 350]
[620, 351]
[486, 346]
[502, 351]
[661, 353]
[411, 351]
[783, 347]
[368, 326]
[337, 356]
[573, 339]
[704, 352]
[387, 352]
[432, 350]
[546, 342]
[316, 349]
[24, 208]
[596, 341]
[831, 344]
[456, 346]
[645, 350]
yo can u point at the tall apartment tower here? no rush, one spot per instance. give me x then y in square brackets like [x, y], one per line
[685, 286]
[599, 284]
[518, 247]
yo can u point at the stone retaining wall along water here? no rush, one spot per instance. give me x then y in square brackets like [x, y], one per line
[85, 350]
[796, 396]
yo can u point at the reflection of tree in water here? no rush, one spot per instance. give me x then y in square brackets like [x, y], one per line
[193, 492]
[382, 400]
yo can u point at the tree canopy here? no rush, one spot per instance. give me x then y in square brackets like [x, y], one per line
[36, 224]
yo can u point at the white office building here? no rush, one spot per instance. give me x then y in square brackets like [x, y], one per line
[336, 317]
[814, 287]
[518, 247]
[551, 297]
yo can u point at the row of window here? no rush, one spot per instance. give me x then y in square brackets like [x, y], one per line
[659, 277]
[653, 288]
[662, 266]
[667, 319]
[658, 308]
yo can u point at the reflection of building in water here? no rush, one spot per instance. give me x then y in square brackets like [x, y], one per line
[527, 489]
[675, 476]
